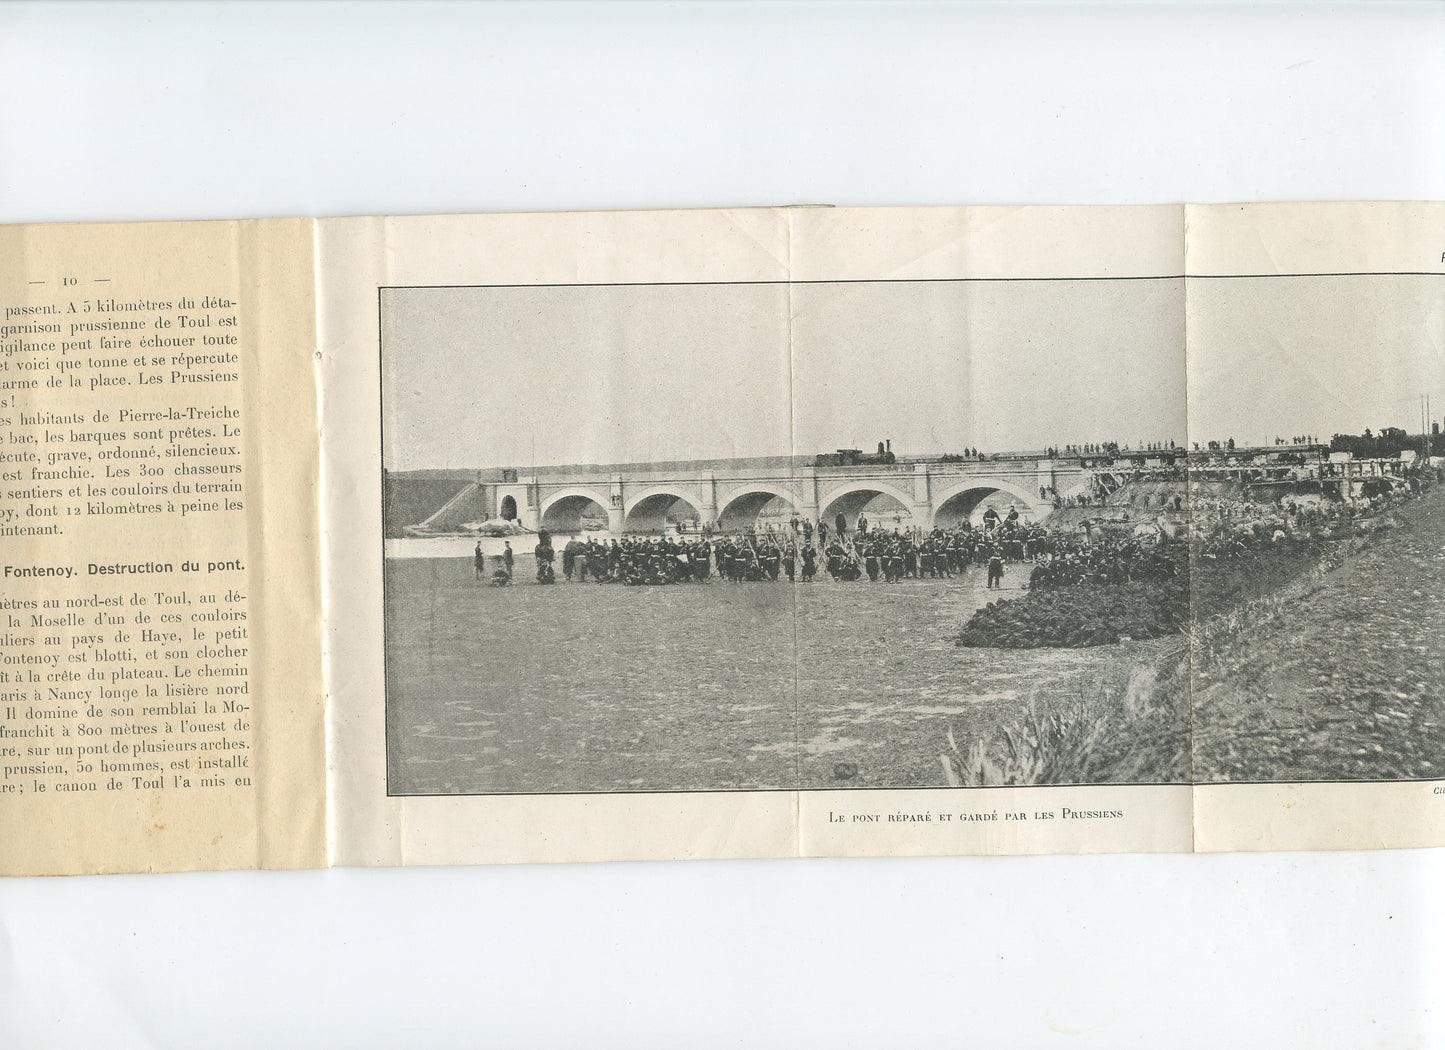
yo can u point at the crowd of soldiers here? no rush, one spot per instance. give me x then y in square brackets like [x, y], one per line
[1105, 562]
[1090, 552]
[768, 555]
[876, 555]
[635, 560]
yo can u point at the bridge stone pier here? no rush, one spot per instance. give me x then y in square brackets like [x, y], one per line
[925, 494]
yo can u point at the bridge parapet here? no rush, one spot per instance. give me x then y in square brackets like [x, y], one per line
[925, 493]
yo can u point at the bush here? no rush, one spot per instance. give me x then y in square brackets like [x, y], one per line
[1082, 615]
[1134, 732]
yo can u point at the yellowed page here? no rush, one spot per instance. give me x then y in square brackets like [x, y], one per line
[162, 705]
[1317, 713]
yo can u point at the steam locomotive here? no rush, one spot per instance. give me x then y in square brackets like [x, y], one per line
[856, 457]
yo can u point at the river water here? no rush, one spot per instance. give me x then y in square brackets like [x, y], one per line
[717, 686]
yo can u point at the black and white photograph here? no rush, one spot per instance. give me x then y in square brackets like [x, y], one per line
[904, 534]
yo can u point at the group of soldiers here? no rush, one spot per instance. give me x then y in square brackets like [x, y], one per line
[942, 553]
[767, 555]
[634, 561]
[1105, 562]
[878, 555]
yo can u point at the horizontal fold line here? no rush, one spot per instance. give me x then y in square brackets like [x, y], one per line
[926, 280]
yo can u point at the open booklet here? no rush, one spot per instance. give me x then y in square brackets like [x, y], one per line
[763, 532]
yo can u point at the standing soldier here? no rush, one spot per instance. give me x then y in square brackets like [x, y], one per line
[995, 569]
[543, 555]
[775, 563]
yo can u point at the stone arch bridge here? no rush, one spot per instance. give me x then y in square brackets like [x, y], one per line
[923, 494]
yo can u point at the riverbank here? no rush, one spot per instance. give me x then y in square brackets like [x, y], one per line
[1320, 662]
[1340, 677]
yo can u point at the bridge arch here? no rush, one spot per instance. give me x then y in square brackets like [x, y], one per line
[959, 502]
[562, 511]
[743, 506]
[850, 500]
[648, 511]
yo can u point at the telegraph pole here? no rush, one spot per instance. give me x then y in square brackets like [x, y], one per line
[1424, 427]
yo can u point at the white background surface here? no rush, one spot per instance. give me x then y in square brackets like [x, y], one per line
[177, 111]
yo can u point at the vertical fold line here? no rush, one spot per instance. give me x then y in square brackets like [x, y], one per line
[1191, 634]
[793, 486]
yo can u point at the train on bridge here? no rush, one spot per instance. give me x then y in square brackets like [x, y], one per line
[856, 457]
